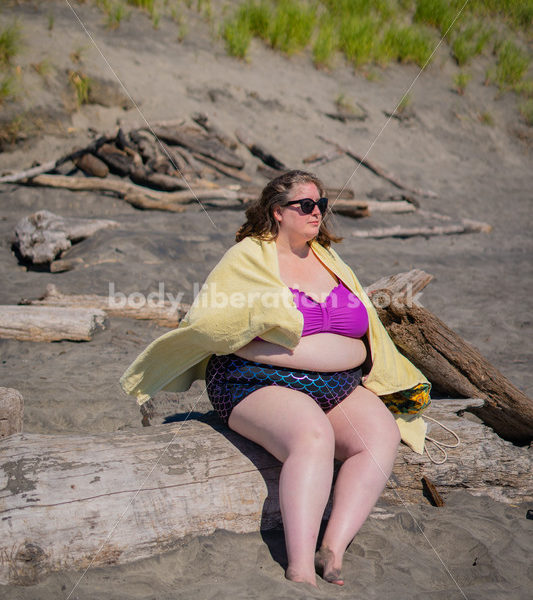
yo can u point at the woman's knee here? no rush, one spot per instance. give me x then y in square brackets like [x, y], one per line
[314, 435]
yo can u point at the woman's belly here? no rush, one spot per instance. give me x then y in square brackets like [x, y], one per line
[319, 352]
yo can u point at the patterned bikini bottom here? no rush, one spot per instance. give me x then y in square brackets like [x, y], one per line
[230, 378]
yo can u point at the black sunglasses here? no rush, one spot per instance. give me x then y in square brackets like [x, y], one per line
[308, 206]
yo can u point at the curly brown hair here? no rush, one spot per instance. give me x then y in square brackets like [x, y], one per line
[260, 222]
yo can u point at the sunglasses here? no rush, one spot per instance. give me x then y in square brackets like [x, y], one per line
[308, 206]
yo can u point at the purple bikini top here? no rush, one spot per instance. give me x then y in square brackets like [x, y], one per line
[342, 312]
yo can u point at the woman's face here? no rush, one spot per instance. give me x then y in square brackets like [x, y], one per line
[292, 220]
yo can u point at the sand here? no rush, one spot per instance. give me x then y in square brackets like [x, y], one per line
[473, 547]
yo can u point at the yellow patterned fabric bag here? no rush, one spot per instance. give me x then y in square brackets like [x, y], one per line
[409, 401]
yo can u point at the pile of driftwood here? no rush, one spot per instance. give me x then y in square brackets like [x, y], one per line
[112, 498]
[171, 165]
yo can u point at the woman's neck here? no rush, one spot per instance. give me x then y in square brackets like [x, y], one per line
[298, 248]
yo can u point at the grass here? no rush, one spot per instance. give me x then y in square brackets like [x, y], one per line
[147, 5]
[81, 85]
[43, 68]
[10, 43]
[460, 81]
[116, 12]
[12, 130]
[486, 118]
[437, 13]
[408, 44]
[526, 110]
[8, 88]
[512, 64]
[291, 26]
[470, 41]
[358, 37]
[237, 36]
[325, 44]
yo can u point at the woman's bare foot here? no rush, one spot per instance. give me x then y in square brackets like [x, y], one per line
[293, 575]
[324, 565]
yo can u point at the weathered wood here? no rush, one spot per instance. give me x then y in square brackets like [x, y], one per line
[42, 236]
[197, 141]
[225, 170]
[91, 165]
[139, 196]
[403, 287]
[323, 158]
[378, 170]
[458, 368]
[156, 308]
[203, 120]
[264, 155]
[54, 164]
[118, 161]
[463, 226]
[113, 498]
[11, 411]
[158, 181]
[364, 208]
[432, 492]
[49, 323]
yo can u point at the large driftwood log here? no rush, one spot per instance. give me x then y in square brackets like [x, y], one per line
[11, 412]
[73, 501]
[49, 323]
[458, 368]
[156, 307]
[142, 197]
[42, 236]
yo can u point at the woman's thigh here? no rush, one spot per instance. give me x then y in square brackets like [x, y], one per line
[281, 419]
[363, 422]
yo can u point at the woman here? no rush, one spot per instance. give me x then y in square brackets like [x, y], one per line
[285, 370]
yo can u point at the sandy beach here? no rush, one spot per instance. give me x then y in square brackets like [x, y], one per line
[472, 548]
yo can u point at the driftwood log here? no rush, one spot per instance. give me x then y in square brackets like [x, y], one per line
[49, 323]
[156, 308]
[449, 362]
[257, 150]
[42, 236]
[74, 501]
[196, 140]
[463, 226]
[11, 411]
[378, 170]
[142, 197]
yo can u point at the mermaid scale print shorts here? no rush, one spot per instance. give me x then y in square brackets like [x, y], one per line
[230, 378]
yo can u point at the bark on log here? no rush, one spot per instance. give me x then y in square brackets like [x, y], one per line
[42, 236]
[70, 501]
[11, 412]
[380, 171]
[458, 368]
[162, 311]
[49, 323]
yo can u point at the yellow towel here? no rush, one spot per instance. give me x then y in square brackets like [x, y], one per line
[244, 297]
